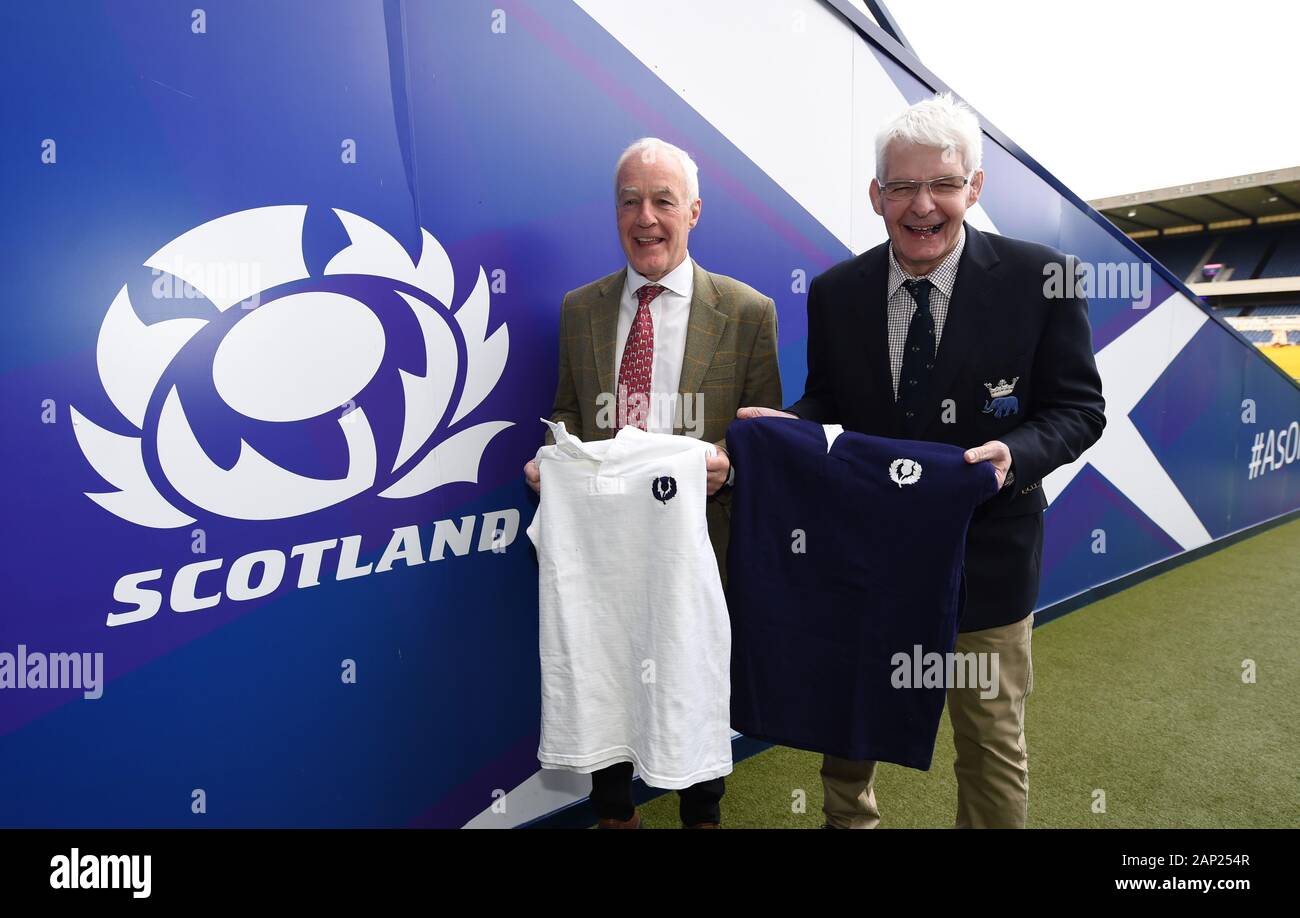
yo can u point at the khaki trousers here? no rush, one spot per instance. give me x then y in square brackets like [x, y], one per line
[992, 764]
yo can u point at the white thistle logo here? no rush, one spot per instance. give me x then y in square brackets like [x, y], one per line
[298, 357]
[904, 472]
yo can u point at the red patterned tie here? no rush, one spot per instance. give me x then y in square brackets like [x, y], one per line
[638, 361]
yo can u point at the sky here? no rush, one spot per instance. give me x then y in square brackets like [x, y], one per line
[1114, 96]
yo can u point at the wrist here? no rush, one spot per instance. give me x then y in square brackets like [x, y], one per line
[731, 468]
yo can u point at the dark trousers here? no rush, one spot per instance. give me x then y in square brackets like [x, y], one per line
[611, 796]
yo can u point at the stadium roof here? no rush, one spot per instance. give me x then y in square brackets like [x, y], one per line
[1242, 200]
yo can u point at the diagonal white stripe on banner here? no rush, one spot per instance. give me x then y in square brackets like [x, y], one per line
[1129, 367]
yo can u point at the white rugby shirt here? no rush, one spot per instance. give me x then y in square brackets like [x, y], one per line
[635, 640]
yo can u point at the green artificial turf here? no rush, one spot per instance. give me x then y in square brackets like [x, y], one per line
[1139, 695]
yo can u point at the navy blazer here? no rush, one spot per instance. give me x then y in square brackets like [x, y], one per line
[1001, 326]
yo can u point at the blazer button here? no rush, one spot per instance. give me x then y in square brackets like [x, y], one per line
[911, 382]
[911, 414]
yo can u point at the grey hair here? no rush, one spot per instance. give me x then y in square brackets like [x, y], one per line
[941, 122]
[648, 147]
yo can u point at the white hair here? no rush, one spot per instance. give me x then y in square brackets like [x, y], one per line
[941, 122]
[648, 148]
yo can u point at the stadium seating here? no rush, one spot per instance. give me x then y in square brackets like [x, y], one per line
[1285, 260]
[1254, 252]
[1242, 252]
[1180, 254]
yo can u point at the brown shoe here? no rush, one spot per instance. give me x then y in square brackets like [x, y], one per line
[633, 823]
[703, 825]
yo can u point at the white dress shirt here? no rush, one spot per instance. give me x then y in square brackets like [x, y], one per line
[670, 312]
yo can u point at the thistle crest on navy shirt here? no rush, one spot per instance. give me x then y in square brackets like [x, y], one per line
[904, 472]
[664, 488]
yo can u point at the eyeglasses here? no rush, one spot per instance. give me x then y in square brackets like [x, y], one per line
[946, 186]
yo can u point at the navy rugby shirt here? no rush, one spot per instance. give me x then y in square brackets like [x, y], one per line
[845, 550]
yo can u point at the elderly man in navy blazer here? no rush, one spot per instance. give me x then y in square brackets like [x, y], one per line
[948, 334]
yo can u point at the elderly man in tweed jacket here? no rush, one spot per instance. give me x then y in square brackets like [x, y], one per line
[667, 346]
